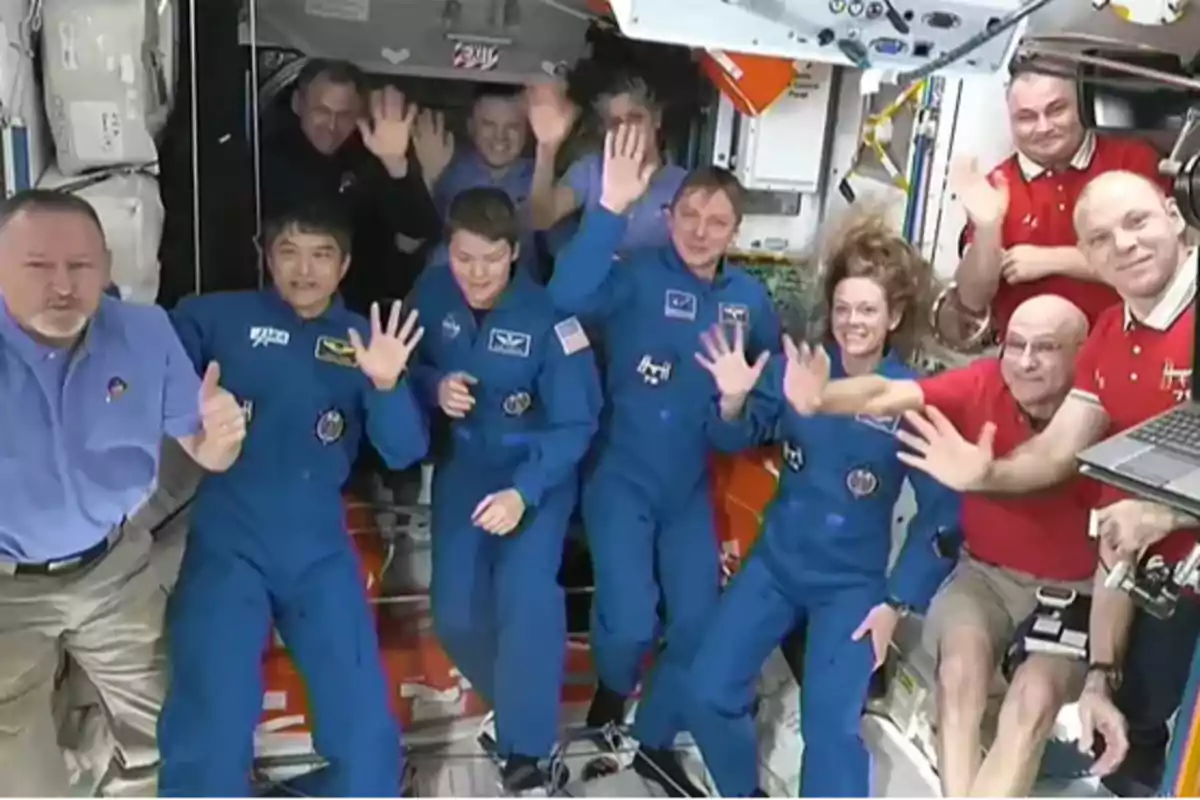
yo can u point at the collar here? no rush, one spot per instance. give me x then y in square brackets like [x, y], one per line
[1082, 159]
[472, 160]
[887, 365]
[17, 337]
[518, 288]
[674, 262]
[1179, 295]
[275, 300]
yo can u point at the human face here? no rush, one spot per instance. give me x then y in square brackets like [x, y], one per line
[625, 109]
[1043, 112]
[861, 317]
[1037, 361]
[1131, 235]
[54, 268]
[498, 130]
[307, 268]
[703, 225]
[328, 112]
[482, 267]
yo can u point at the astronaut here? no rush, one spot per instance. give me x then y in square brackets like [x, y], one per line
[268, 541]
[519, 386]
[647, 508]
[822, 556]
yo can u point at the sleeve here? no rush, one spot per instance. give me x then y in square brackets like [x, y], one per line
[920, 567]
[759, 419]
[188, 320]
[181, 390]
[583, 179]
[585, 280]
[1086, 385]
[952, 391]
[1142, 159]
[395, 424]
[403, 204]
[424, 374]
[568, 389]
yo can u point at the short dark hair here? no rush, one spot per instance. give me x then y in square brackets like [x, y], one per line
[503, 91]
[486, 212]
[52, 200]
[314, 218]
[334, 71]
[714, 179]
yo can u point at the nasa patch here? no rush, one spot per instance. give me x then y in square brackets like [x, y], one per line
[331, 426]
[517, 403]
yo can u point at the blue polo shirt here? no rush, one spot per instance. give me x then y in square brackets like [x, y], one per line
[647, 218]
[81, 432]
[468, 170]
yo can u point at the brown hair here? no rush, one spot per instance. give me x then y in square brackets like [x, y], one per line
[711, 180]
[486, 212]
[864, 245]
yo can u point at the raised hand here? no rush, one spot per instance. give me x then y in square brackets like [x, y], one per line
[943, 453]
[221, 416]
[389, 130]
[433, 144]
[734, 376]
[626, 173]
[384, 359]
[985, 200]
[805, 375]
[551, 113]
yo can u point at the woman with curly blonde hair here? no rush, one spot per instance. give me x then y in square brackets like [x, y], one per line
[822, 557]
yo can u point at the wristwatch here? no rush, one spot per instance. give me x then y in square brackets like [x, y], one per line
[1113, 675]
[903, 609]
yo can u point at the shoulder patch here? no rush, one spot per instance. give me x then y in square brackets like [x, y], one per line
[571, 336]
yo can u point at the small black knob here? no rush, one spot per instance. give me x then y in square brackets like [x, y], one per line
[826, 37]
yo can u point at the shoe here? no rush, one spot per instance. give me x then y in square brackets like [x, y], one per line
[666, 770]
[607, 708]
[523, 774]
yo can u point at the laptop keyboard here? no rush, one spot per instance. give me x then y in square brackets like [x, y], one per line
[1178, 431]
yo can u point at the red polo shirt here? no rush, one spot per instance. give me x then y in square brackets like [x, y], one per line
[1041, 209]
[1044, 534]
[1138, 369]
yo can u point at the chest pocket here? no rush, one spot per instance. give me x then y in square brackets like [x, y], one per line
[508, 361]
[120, 404]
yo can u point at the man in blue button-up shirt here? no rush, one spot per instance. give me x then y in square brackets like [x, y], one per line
[90, 386]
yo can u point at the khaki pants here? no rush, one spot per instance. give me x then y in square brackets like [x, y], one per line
[992, 599]
[107, 619]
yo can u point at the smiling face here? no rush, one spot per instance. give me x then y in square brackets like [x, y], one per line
[1130, 233]
[861, 319]
[329, 112]
[1043, 113]
[498, 129]
[307, 266]
[1037, 356]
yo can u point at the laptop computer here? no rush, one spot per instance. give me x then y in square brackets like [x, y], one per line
[1158, 460]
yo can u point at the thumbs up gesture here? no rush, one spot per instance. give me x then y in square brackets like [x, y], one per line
[221, 415]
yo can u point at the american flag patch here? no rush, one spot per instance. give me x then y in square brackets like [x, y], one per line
[571, 336]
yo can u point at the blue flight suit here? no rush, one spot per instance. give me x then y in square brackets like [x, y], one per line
[822, 559]
[469, 171]
[647, 504]
[497, 606]
[268, 542]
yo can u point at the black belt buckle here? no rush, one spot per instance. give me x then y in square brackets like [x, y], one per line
[65, 566]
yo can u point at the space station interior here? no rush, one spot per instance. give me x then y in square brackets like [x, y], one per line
[156, 112]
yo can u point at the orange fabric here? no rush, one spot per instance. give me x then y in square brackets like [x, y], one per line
[743, 487]
[752, 82]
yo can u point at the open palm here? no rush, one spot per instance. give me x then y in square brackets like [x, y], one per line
[390, 348]
[944, 454]
[805, 375]
[734, 376]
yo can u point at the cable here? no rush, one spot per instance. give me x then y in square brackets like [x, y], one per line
[973, 43]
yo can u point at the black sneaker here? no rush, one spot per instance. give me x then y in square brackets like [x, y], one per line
[666, 770]
[523, 774]
[607, 708]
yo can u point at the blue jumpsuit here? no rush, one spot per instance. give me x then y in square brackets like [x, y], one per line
[822, 559]
[647, 504]
[497, 606]
[268, 542]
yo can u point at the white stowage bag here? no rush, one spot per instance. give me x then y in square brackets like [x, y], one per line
[105, 68]
[131, 212]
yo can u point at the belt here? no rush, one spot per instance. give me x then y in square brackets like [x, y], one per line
[67, 565]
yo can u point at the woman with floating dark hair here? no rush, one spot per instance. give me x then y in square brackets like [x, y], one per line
[822, 557]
